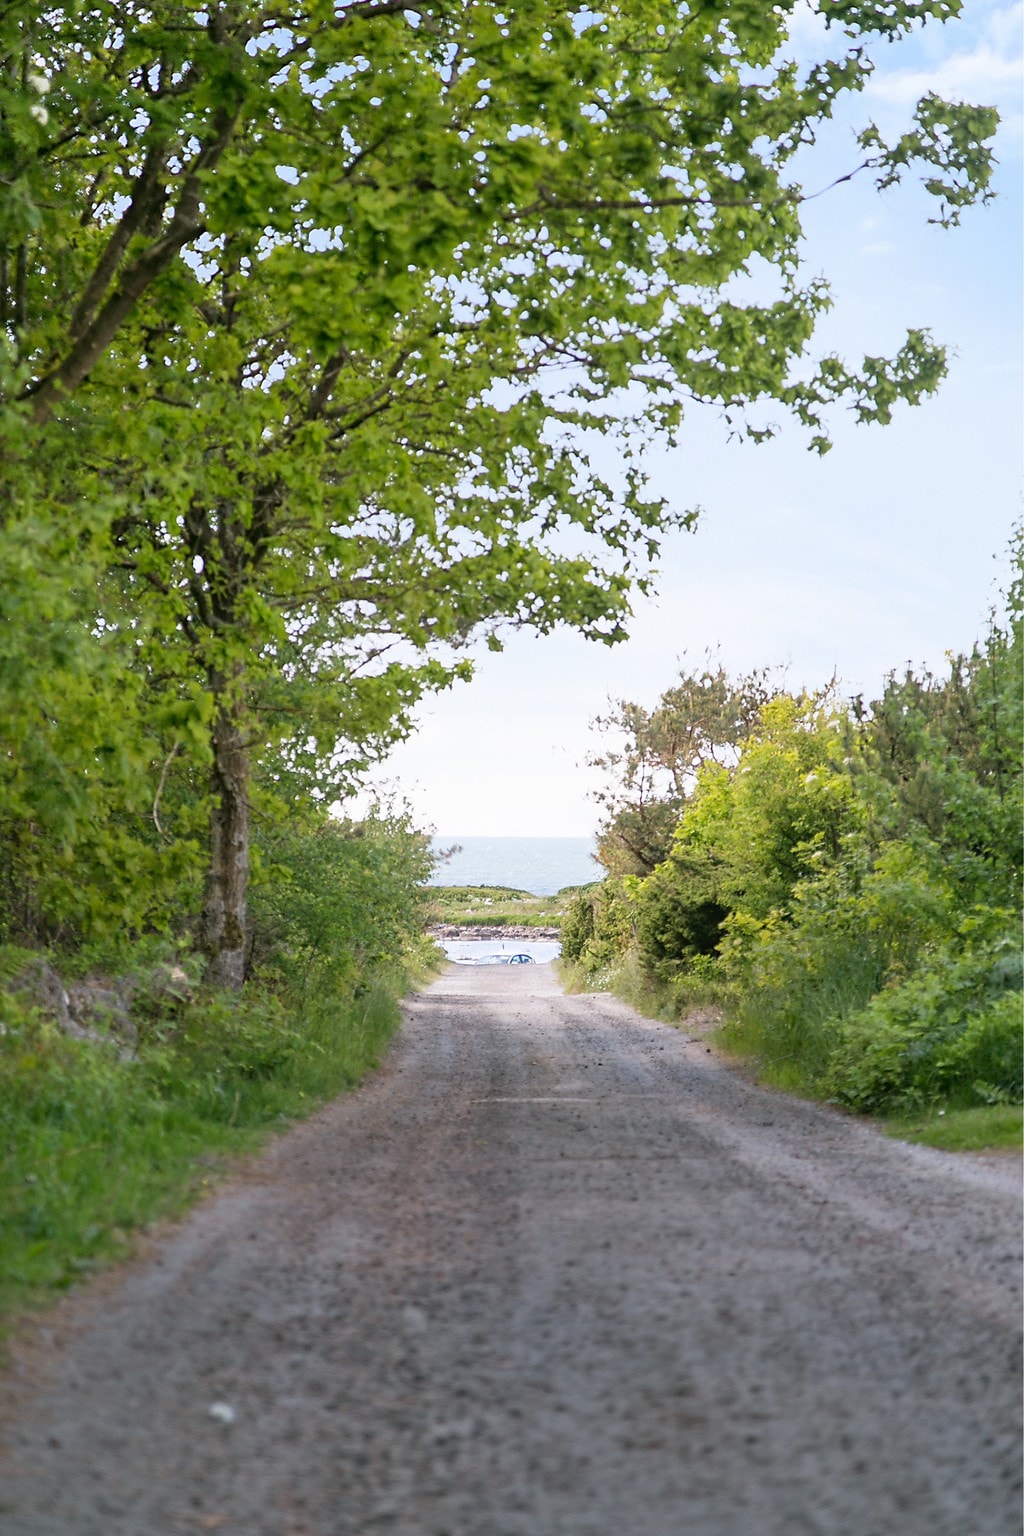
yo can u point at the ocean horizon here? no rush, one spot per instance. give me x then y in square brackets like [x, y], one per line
[541, 865]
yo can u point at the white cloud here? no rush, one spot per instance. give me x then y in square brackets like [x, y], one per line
[989, 72]
[983, 76]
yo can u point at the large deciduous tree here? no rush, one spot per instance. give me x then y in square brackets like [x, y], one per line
[319, 305]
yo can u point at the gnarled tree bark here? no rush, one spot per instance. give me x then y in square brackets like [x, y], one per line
[227, 880]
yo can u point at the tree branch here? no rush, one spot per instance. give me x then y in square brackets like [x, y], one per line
[146, 203]
[160, 789]
[186, 223]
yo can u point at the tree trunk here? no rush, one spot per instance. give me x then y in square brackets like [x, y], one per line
[227, 880]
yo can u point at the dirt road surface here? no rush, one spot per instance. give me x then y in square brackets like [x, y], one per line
[555, 1271]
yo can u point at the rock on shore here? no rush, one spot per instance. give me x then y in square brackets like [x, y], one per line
[491, 931]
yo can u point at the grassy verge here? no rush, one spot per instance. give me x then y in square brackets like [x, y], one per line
[670, 1002]
[96, 1143]
[983, 1128]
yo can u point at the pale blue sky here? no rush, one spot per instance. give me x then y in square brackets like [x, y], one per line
[886, 551]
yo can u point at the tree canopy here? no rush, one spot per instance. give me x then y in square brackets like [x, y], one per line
[309, 314]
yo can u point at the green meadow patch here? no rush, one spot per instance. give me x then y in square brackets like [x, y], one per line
[496, 906]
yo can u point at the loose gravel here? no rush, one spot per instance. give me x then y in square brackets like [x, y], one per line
[555, 1271]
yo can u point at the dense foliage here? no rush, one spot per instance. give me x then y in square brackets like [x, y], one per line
[848, 887]
[128, 1110]
[307, 313]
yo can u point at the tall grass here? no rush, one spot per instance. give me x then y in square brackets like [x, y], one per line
[792, 990]
[700, 988]
[95, 1143]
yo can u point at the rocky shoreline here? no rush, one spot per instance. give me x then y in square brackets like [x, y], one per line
[491, 931]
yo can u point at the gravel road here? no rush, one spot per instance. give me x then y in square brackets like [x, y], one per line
[555, 1271]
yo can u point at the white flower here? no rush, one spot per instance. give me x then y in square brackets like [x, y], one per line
[39, 83]
[40, 114]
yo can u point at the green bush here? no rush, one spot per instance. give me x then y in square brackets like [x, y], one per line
[950, 1032]
[600, 925]
[849, 933]
[679, 913]
[578, 926]
[338, 898]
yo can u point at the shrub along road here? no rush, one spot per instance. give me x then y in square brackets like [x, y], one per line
[554, 1271]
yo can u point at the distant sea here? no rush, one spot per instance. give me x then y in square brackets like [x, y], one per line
[542, 865]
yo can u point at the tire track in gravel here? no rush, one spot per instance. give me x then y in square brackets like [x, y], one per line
[555, 1271]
